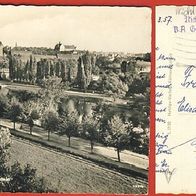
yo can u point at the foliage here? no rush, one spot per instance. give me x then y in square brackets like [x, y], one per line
[117, 134]
[16, 110]
[5, 139]
[34, 115]
[84, 74]
[5, 142]
[51, 122]
[69, 125]
[50, 94]
[24, 95]
[4, 63]
[111, 82]
[16, 178]
[140, 110]
[138, 86]
[31, 105]
[139, 140]
[90, 130]
[24, 180]
[102, 61]
[72, 66]
[96, 86]
[147, 57]
[96, 70]
[4, 105]
[81, 77]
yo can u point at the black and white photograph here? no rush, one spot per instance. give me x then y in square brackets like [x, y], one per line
[74, 99]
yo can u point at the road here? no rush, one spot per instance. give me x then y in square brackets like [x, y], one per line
[34, 88]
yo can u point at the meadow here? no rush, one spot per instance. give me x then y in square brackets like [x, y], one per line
[71, 174]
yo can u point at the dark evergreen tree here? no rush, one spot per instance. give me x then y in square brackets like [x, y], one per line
[81, 77]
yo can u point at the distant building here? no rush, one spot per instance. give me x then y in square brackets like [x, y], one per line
[111, 57]
[139, 55]
[4, 68]
[144, 75]
[128, 66]
[142, 66]
[3, 89]
[4, 73]
[95, 78]
[69, 49]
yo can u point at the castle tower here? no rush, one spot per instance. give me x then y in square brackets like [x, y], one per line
[1, 49]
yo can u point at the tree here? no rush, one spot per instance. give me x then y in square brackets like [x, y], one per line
[111, 82]
[27, 70]
[117, 134]
[50, 122]
[72, 66]
[24, 95]
[63, 69]
[51, 92]
[81, 77]
[138, 86]
[4, 105]
[25, 180]
[39, 74]
[147, 57]
[84, 74]
[90, 130]
[4, 145]
[51, 68]
[57, 68]
[16, 178]
[34, 115]
[139, 140]
[4, 62]
[102, 61]
[69, 125]
[11, 67]
[87, 60]
[16, 111]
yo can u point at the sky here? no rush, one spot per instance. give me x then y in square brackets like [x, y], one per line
[108, 29]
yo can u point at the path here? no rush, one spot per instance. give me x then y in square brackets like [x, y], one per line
[34, 88]
[138, 160]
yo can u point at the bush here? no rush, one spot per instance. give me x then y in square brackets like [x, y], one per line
[24, 180]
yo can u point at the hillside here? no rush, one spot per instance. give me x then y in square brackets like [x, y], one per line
[67, 173]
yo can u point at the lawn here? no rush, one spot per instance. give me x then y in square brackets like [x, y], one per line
[71, 174]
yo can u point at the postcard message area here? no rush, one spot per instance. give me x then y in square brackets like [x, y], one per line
[175, 99]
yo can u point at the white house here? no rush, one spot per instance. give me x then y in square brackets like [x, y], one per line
[68, 48]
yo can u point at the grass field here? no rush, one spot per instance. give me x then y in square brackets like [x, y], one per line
[67, 173]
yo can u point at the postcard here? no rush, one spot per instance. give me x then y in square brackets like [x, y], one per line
[175, 99]
[74, 99]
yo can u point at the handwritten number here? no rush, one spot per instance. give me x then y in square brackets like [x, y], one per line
[165, 20]
[159, 19]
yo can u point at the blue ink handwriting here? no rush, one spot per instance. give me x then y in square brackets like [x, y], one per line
[158, 94]
[187, 77]
[185, 106]
[165, 66]
[165, 58]
[163, 86]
